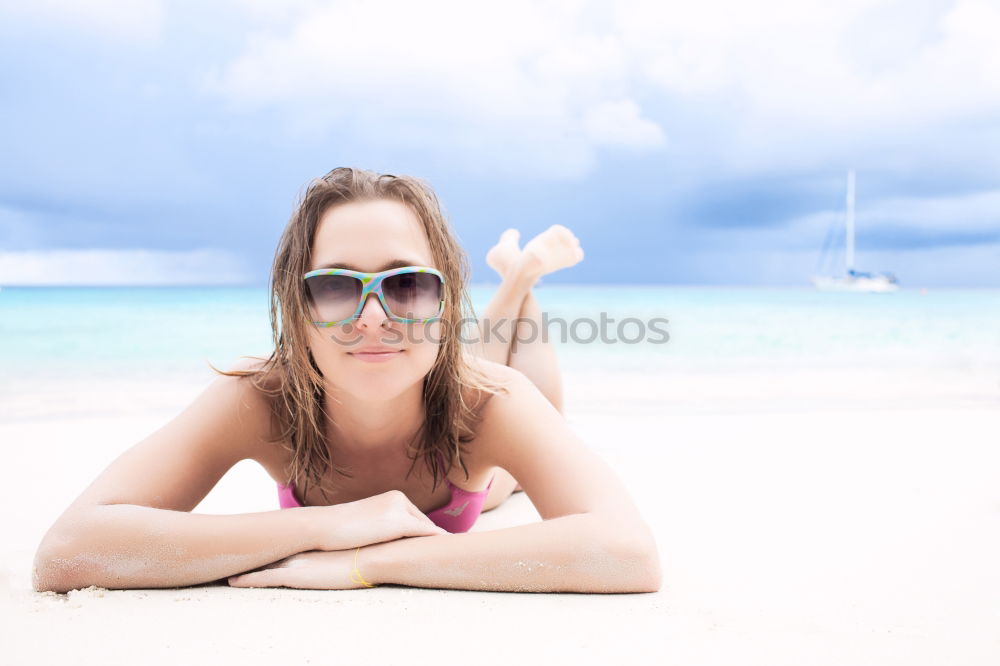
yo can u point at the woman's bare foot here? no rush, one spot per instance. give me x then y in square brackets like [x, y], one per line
[549, 251]
[505, 253]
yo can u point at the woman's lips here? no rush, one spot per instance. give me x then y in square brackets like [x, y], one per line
[375, 357]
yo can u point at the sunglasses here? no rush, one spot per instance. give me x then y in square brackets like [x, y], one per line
[411, 294]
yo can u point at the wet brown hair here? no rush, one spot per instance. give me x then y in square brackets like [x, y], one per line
[290, 378]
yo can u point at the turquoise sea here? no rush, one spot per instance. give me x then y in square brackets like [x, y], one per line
[107, 332]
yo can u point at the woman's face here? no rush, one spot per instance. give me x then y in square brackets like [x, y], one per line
[371, 236]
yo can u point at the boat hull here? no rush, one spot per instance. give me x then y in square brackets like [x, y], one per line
[875, 284]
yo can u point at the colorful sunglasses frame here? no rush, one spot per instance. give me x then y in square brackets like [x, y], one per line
[372, 282]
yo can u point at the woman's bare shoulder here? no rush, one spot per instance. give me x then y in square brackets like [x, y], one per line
[494, 373]
[256, 398]
[247, 364]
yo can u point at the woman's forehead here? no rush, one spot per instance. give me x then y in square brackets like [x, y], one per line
[370, 235]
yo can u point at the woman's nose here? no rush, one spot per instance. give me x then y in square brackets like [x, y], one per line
[372, 314]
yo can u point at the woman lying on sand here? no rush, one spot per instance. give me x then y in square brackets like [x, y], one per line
[373, 396]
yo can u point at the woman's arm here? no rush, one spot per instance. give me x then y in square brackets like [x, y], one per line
[575, 553]
[592, 538]
[131, 526]
[125, 546]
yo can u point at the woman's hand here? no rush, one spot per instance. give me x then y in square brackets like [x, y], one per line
[312, 570]
[342, 529]
[385, 517]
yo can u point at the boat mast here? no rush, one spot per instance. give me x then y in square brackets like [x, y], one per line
[850, 221]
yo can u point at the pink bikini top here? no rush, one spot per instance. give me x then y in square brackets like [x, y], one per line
[457, 516]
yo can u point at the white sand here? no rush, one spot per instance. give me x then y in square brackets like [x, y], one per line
[820, 517]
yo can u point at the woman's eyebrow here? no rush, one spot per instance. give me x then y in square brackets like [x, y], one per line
[395, 263]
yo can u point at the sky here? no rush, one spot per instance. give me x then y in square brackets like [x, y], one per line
[156, 142]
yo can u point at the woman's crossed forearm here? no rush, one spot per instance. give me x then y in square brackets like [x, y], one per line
[124, 546]
[575, 553]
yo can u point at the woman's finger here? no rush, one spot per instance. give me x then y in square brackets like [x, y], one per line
[428, 526]
[253, 579]
[423, 523]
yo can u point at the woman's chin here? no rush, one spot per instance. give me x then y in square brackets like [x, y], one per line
[374, 384]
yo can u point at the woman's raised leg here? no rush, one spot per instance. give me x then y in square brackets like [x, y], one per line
[511, 329]
[534, 355]
[496, 327]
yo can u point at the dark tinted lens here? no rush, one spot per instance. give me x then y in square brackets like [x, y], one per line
[413, 295]
[333, 297]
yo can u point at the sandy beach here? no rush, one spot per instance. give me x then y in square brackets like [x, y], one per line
[824, 517]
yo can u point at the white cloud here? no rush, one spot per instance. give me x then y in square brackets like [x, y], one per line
[531, 85]
[810, 81]
[132, 21]
[121, 267]
[619, 124]
[545, 85]
[966, 214]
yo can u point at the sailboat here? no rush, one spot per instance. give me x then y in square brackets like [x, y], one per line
[854, 280]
